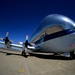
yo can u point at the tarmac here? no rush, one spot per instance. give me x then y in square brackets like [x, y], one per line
[12, 63]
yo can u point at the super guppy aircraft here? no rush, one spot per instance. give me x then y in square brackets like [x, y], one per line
[55, 34]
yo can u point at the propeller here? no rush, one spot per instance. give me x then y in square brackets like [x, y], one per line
[1, 38]
[26, 37]
[6, 38]
[21, 43]
[7, 33]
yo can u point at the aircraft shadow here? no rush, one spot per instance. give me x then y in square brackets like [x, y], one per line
[42, 56]
[54, 57]
[7, 53]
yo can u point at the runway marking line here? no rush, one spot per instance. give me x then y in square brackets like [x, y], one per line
[21, 70]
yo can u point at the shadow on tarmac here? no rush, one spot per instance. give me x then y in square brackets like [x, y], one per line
[54, 57]
[42, 56]
[7, 53]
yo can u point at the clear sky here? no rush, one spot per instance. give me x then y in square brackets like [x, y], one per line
[21, 17]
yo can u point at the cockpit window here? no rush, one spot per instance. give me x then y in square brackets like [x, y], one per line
[53, 29]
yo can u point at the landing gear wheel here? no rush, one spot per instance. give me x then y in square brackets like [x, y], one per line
[55, 53]
[24, 54]
[72, 55]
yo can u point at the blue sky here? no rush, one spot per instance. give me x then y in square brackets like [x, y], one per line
[21, 17]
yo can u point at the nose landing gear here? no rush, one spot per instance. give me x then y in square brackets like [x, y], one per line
[72, 55]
